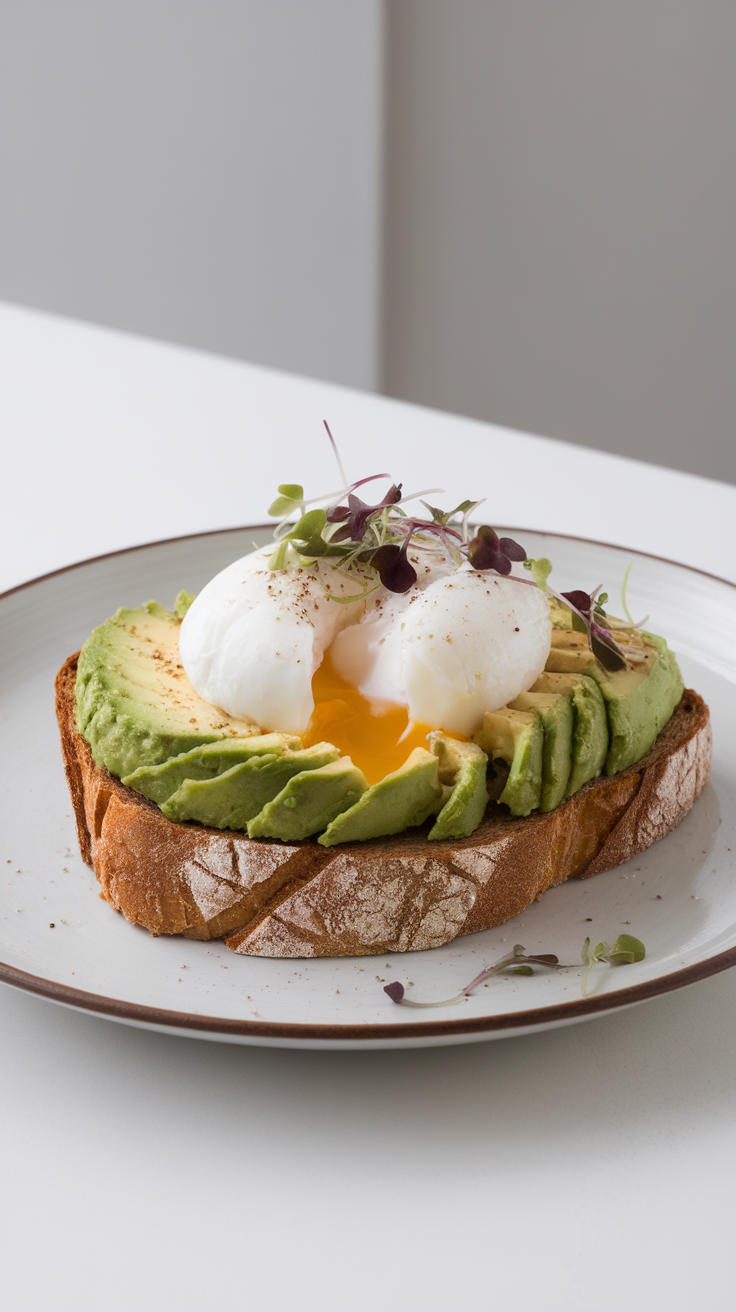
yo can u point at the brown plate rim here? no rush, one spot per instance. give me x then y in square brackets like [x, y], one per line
[197, 1023]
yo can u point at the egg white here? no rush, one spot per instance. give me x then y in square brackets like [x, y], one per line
[370, 653]
[470, 644]
[459, 643]
[252, 639]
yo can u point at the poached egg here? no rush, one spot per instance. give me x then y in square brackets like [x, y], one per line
[323, 653]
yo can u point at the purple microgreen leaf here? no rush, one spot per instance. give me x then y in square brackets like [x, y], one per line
[512, 549]
[484, 551]
[395, 991]
[394, 570]
[580, 600]
[341, 534]
[488, 551]
[334, 497]
[357, 513]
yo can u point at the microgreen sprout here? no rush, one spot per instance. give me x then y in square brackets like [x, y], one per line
[379, 535]
[510, 964]
[488, 551]
[290, 498]
[623, 593]
[540, 571]
[625, 950]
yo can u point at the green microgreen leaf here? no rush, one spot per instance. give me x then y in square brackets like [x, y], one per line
[438, 516]
[626, 950]
[443, 517]
[540, 570]
[307, 537]
[309, 526]
[291, 498]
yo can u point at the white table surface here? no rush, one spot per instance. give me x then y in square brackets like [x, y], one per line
[589, 1165]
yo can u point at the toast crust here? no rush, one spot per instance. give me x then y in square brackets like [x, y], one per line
[400, 894]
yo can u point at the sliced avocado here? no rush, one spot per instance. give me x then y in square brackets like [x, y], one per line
[159, 782]
[569, 653]
[231, 799]
[590, 725]
[135, 704]
[516, 737]
[310, 802]
[403, 799]
[556, 713]
[561, 615]
[639, 700]
[462, 767]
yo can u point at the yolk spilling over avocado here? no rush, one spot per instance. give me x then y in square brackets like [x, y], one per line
[377, 734]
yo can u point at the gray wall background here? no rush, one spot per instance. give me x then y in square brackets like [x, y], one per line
[204, 171]
[560, 219]
[522, 210]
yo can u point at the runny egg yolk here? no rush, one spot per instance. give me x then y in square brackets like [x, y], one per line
[378, 735]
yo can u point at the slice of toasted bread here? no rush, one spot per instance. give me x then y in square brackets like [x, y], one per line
[400, 894]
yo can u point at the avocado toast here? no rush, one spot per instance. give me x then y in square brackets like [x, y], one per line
[408, 863]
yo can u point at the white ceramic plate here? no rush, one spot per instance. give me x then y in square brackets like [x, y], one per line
[679, 897]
